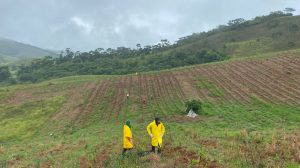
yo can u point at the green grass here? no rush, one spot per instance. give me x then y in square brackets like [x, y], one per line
[19, 122]
[232, 134]
[204, 83]
[222, 125]
[25, 128]
[6, 60]
[250, 47]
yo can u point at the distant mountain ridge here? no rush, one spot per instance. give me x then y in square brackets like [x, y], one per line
[12, 50]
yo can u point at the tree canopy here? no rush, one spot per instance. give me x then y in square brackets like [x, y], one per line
[4, 74]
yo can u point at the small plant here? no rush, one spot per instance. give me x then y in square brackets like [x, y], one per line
[291, 44]
[194, 162]
[195, 105]
[273, 24]
[293, 28]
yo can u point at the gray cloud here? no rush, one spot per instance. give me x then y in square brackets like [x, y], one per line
[85, 25]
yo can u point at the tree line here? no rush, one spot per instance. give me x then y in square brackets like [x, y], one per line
[111, 62]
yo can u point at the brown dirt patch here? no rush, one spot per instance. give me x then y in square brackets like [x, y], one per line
[183, 157]
[283, 148]
[46, 165]
[2, 150]
[288, 147]
[55, 150]
[14, 162]
[20, 97]
[187, 87]
[184, 119]
[208, 143]
[84, 162]
[74, 105]
[35, 94]
[274, 80]
[100, 159]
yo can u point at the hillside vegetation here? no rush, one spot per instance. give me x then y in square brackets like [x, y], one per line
[248, 85]
[245, 38]
[250, 117]
[275, 32]
[11, 51]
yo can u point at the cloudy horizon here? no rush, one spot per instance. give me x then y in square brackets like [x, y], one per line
[92, 24]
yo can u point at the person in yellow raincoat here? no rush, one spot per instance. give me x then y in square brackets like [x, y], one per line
[156, 130]
[127, 137]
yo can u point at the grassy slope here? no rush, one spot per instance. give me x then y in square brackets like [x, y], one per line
[19, 50]
[13, 53]
[234, 135]
[5, 60]
[252, 40]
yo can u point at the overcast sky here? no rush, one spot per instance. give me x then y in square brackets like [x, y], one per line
[89, 24]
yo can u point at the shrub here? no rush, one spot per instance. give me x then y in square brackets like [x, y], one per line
[195, 105]
[277, 34]
[293, 28]
[273, 24]
[27, 77]
[4, 74]
[291, 44]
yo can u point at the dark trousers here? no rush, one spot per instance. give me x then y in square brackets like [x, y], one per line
[158, 149]
[125, 150]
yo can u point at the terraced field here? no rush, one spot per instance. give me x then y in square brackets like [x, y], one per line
[251, 117]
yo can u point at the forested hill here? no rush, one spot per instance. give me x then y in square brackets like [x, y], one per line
[275, 32]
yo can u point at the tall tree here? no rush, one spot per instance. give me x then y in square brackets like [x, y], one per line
[289, 10]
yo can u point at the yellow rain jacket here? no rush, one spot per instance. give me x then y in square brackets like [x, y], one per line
[157, 132]
[127, 134]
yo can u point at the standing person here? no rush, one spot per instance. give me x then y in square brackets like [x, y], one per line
[156, 130]
[127, 137]
[145, 100]
[151, 97]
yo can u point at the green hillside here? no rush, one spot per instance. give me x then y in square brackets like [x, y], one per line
[250, 117]
[6, 59]
[239, 38]
[276, 34]
[11, 50]
[69, 111]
